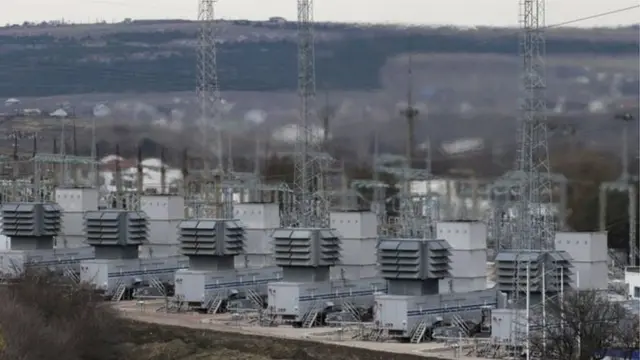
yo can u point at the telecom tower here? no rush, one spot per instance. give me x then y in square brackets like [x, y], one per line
[208, 92]
[311, 203]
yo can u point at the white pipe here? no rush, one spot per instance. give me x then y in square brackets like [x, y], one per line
[579, 325]
[544, 312]
[562, 298]
[528, 305]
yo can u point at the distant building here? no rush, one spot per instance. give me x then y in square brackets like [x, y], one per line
[32, 112]
[11, 102]
[59, 113]
[277, 20]
[151, 169]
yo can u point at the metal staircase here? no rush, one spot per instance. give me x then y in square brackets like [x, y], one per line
[173, 305]
[457, 321]
[69, 273]
[119, 292]
[375, 334]
[418, 332]
[255, 298]
[310, 318]
[156, 284]
[213, 305]
[348, 307]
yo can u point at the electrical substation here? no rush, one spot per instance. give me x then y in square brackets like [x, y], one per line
[469, 264]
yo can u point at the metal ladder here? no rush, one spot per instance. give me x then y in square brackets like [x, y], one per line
[310, 318]
[418, 332]
[457, 321]
[255, 298]
[214, 304]
[119, 292]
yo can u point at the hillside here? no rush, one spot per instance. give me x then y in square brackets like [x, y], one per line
[149, 56]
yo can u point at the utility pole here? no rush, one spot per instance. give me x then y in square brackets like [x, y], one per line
[410, 113]
[625, 184]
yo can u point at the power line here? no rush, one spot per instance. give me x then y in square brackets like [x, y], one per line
[594, 16]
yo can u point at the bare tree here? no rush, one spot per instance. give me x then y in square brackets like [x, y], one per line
[44, 316]
[584, 325]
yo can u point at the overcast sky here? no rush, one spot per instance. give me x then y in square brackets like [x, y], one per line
[436, 12]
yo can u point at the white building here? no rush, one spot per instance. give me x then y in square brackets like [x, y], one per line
[632, 279]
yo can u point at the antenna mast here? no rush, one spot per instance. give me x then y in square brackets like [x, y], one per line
[311, 203]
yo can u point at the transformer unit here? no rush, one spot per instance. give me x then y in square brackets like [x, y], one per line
[589, 258]
[306, 292]
[211, 280]
[74, 203]
[117, 271]
[511, 267]
[414, 304]
[164, 214]
[468, 255]
[259, 220]
[32, 228]
[359, 238]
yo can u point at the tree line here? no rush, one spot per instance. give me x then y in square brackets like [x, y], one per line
[46, 65]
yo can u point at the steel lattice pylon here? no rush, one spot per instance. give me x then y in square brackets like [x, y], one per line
[535, 226]
[311, 204]
[208, 93]
[208, 89]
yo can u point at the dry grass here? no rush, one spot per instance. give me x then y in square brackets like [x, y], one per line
[42, 314]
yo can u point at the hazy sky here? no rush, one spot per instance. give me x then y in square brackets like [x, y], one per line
[457, 12]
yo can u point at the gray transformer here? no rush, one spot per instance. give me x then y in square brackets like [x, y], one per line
[211, 246]
[116, 236]
[511, 267]
[259, 220]
[405, 316]
[31, 225]
[33, 228]
[306, 290]
[164, 213]
[75, 202]
[414, 269]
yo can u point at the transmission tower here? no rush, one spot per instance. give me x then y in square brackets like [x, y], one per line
[536, 228]
[208, 92]
[311, 203]
[534, 224]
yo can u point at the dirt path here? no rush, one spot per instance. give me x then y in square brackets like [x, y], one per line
[298, 337]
